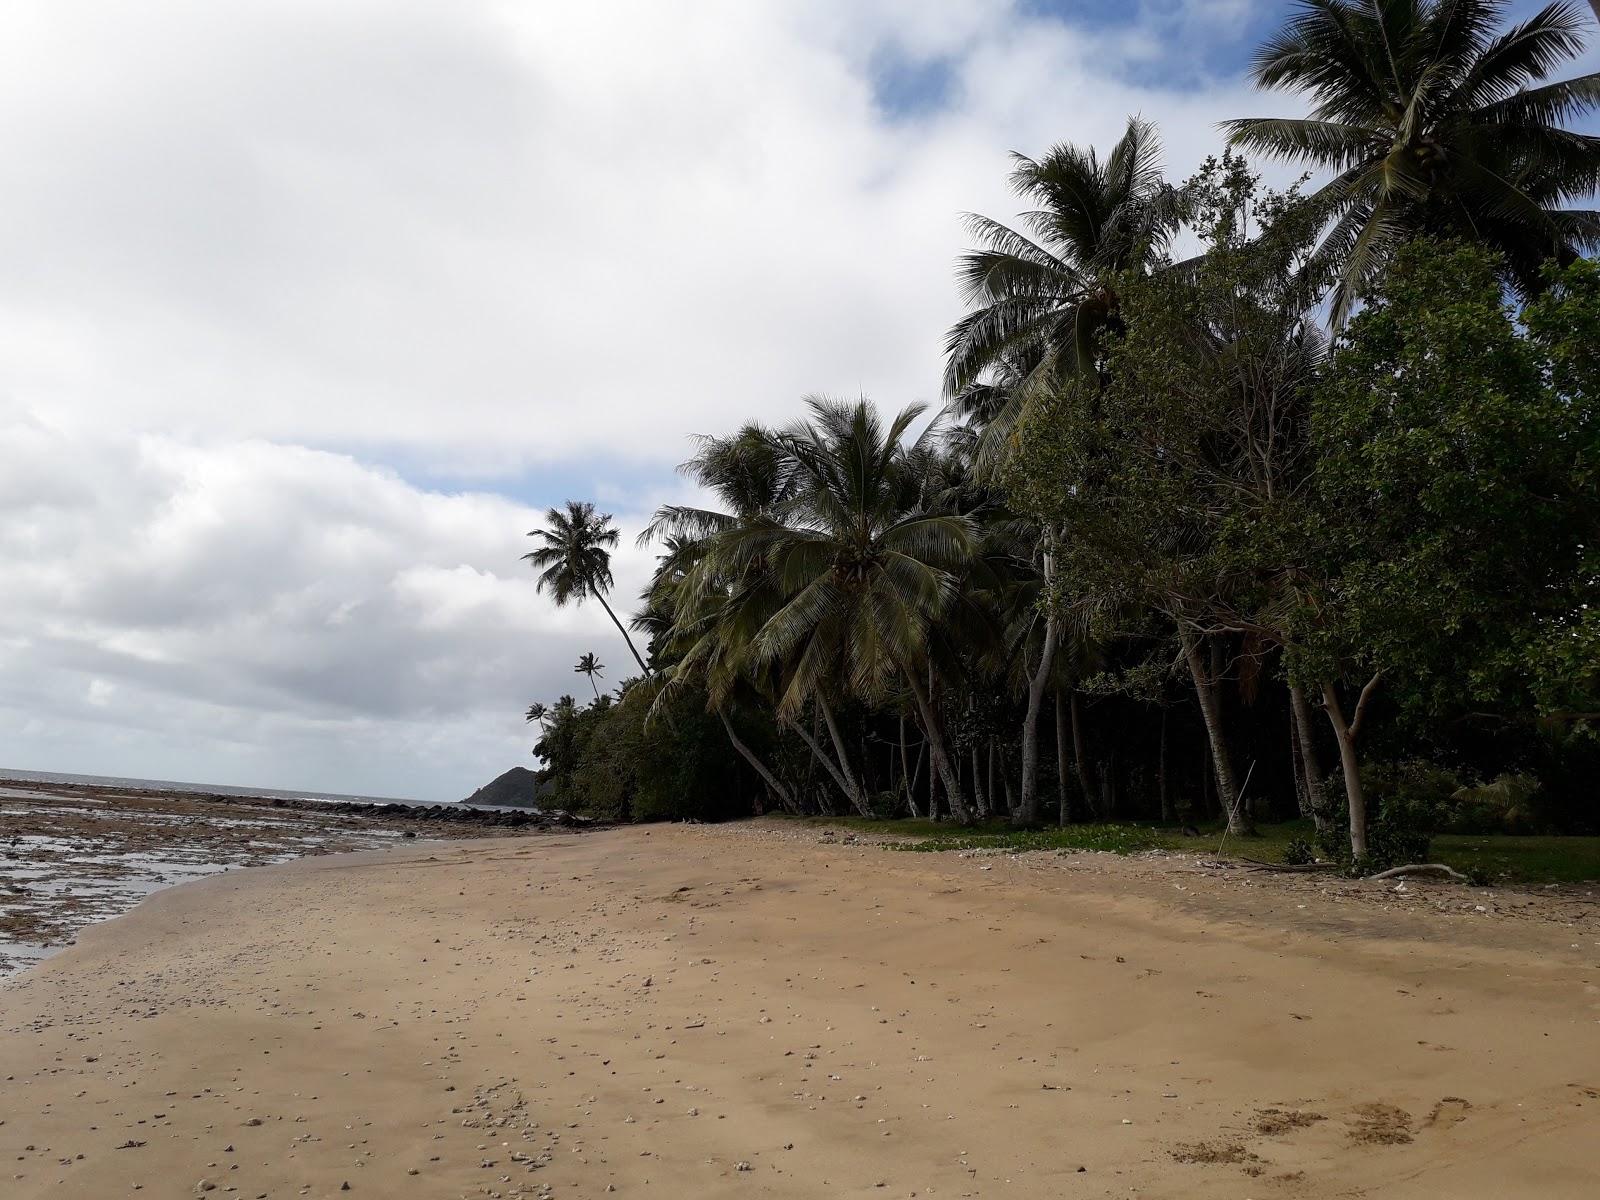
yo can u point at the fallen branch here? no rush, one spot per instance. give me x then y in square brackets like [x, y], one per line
[1418, 868]
[1258, 865]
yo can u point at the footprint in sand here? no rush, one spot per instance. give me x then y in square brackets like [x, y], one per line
[1452, 1110]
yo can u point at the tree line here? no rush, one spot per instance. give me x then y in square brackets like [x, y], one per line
[1306, 522]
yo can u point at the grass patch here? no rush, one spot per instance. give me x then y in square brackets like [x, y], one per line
[1502, 858]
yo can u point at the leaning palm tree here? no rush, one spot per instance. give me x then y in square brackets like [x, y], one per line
[591, 666]
[575, 560]
[1427, 113]
[1040, 298]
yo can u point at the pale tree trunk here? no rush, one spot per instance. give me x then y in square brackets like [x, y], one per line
[857, 792]
[936, 749]
[1306, 755]
[1064, 812]
[1205, 688]
[979, 796]
[1028, 810]
[1347, 735]
[749, 755]
[846, 785]
[908, 779]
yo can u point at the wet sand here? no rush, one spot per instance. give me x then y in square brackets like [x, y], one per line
[757, 1011]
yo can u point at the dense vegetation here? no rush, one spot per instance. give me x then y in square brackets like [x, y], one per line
[1306, 524]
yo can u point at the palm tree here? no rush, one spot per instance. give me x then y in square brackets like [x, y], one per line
[1040, 301]
[537, 711]
[575, 562]
[863, 566]
[1428, 116]
[591, 666]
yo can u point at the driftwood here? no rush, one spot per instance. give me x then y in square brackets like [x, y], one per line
[1419, 868]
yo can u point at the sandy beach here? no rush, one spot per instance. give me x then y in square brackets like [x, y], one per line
[766, 1010]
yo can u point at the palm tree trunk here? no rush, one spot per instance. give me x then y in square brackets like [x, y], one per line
[828, 764]
[648, 673]
[1064, 812]
[1028, 810]
[936, 748]
[1348, 759]
[856, 792]
[1205, 688]
[749, 755]
[908, 778]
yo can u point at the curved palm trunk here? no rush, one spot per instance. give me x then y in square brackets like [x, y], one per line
[1028, 808]
[648, 673]
[1306, 755]
[1205, 688]
[749, 755]
[821, 756]
[855, 792]
[936, 748]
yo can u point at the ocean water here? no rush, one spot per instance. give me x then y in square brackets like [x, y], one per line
[172, 785]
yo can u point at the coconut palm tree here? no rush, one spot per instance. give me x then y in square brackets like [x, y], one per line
[575, 560]
[864, 567]
[1041, 297]
[1427, 113]
[591, 666]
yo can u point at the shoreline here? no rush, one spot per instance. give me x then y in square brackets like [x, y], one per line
[646, 1009]
[74, 853]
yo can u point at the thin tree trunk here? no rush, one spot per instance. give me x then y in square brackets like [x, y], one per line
[1012, 808]
[1347, 735]
[839, 777]
[1064, 811]
[1211, 709]
[1077, 753]
[936, 749]
[1305, 752]
[648, 673]
[856, 792]
[908, 778]
[1028, 810]
[979, 797]
[749, 755]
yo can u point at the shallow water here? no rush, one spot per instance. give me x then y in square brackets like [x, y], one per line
[68, 860]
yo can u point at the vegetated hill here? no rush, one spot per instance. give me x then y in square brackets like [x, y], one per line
[517, 788]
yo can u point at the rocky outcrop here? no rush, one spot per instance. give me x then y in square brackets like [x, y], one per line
[517, 788]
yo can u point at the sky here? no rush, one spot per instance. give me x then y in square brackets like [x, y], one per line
[309, 308]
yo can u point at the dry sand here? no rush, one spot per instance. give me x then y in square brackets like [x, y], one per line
[709, 1012]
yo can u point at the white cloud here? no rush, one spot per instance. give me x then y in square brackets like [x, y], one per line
[270, 614]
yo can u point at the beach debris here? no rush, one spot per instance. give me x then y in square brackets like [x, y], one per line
[742, 1166]
[205, 1185]
[130, 1144]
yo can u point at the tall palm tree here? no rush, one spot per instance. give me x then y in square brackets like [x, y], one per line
[1040, 297]
[575, 560]
[591, 666]
[1425, 110]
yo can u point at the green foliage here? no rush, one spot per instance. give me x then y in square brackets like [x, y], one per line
[1299, 852]
[1506, 804]
[1455, 519]
[1430, 122]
